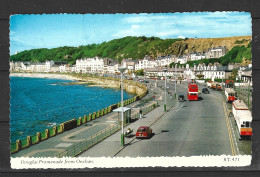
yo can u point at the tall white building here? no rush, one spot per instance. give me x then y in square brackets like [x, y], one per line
[90, 65]
[96, 65]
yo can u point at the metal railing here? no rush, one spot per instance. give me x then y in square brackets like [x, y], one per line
[78, 148]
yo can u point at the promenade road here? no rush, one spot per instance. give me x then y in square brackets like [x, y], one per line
[190, 128]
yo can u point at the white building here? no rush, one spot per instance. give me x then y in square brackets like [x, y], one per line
[166, 60]
[216, 52]
[112, 68]
[66, 68]
[18, 66]
[129, 64]
[96, 65]
[90, 65]
[245, 73]
[40, 67]
[211, 71]
[182, 59]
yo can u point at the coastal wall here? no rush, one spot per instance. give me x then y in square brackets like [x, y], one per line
[110, 82]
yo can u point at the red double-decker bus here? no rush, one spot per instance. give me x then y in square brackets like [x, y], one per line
[192, 93]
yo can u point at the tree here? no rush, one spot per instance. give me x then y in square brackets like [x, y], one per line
[200, 76]
[234, 73]
[140, 72]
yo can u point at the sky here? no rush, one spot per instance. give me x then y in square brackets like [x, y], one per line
[58, 30]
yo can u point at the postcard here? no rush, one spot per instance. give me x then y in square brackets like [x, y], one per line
[131, 90]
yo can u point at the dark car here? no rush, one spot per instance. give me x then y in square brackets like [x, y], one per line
[143, 132]
[205, 90]
[181, 98]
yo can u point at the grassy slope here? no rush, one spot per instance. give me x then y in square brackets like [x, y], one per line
[137, 48]
[127, 47]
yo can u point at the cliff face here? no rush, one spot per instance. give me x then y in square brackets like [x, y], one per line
[200, 45]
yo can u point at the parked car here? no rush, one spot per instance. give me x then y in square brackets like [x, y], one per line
[181, 98]
[143, 132]
[205, 90]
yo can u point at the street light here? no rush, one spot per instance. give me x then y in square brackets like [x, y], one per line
[165, 70]
[175, 79]
[122, 69]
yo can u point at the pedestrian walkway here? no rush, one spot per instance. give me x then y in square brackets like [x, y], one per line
[58, 144]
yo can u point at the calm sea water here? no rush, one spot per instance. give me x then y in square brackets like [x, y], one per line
[39, 103]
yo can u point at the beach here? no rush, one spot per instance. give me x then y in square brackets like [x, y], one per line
[43, 75]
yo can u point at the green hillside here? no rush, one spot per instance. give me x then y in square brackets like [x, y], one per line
[127, 47]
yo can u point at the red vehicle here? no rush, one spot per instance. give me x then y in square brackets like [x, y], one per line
[243, 118]
[230, 94]
[143, 132]
[192, 93]
[216, 86]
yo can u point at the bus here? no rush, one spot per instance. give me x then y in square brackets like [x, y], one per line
[230, 94]
[192, 93]
[243, 118]
[216, 86]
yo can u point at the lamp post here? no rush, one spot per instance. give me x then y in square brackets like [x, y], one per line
[122, 69]
[175, 79]
[165, 70]
[222, 80]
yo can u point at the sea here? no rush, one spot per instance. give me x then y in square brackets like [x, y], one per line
[40, 103]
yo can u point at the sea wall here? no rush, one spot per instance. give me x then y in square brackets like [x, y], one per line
[110, 82]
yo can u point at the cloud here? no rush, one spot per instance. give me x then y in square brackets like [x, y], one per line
[193, 24]
[167, 33]
[134, 30]
[181, 37]
[145, 18]
[135, 26]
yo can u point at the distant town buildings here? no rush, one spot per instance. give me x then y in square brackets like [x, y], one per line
[153, 67]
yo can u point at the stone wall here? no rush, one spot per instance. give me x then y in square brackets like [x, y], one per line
[107, 82]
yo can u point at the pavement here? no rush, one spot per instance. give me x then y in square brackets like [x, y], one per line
[55, 145]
